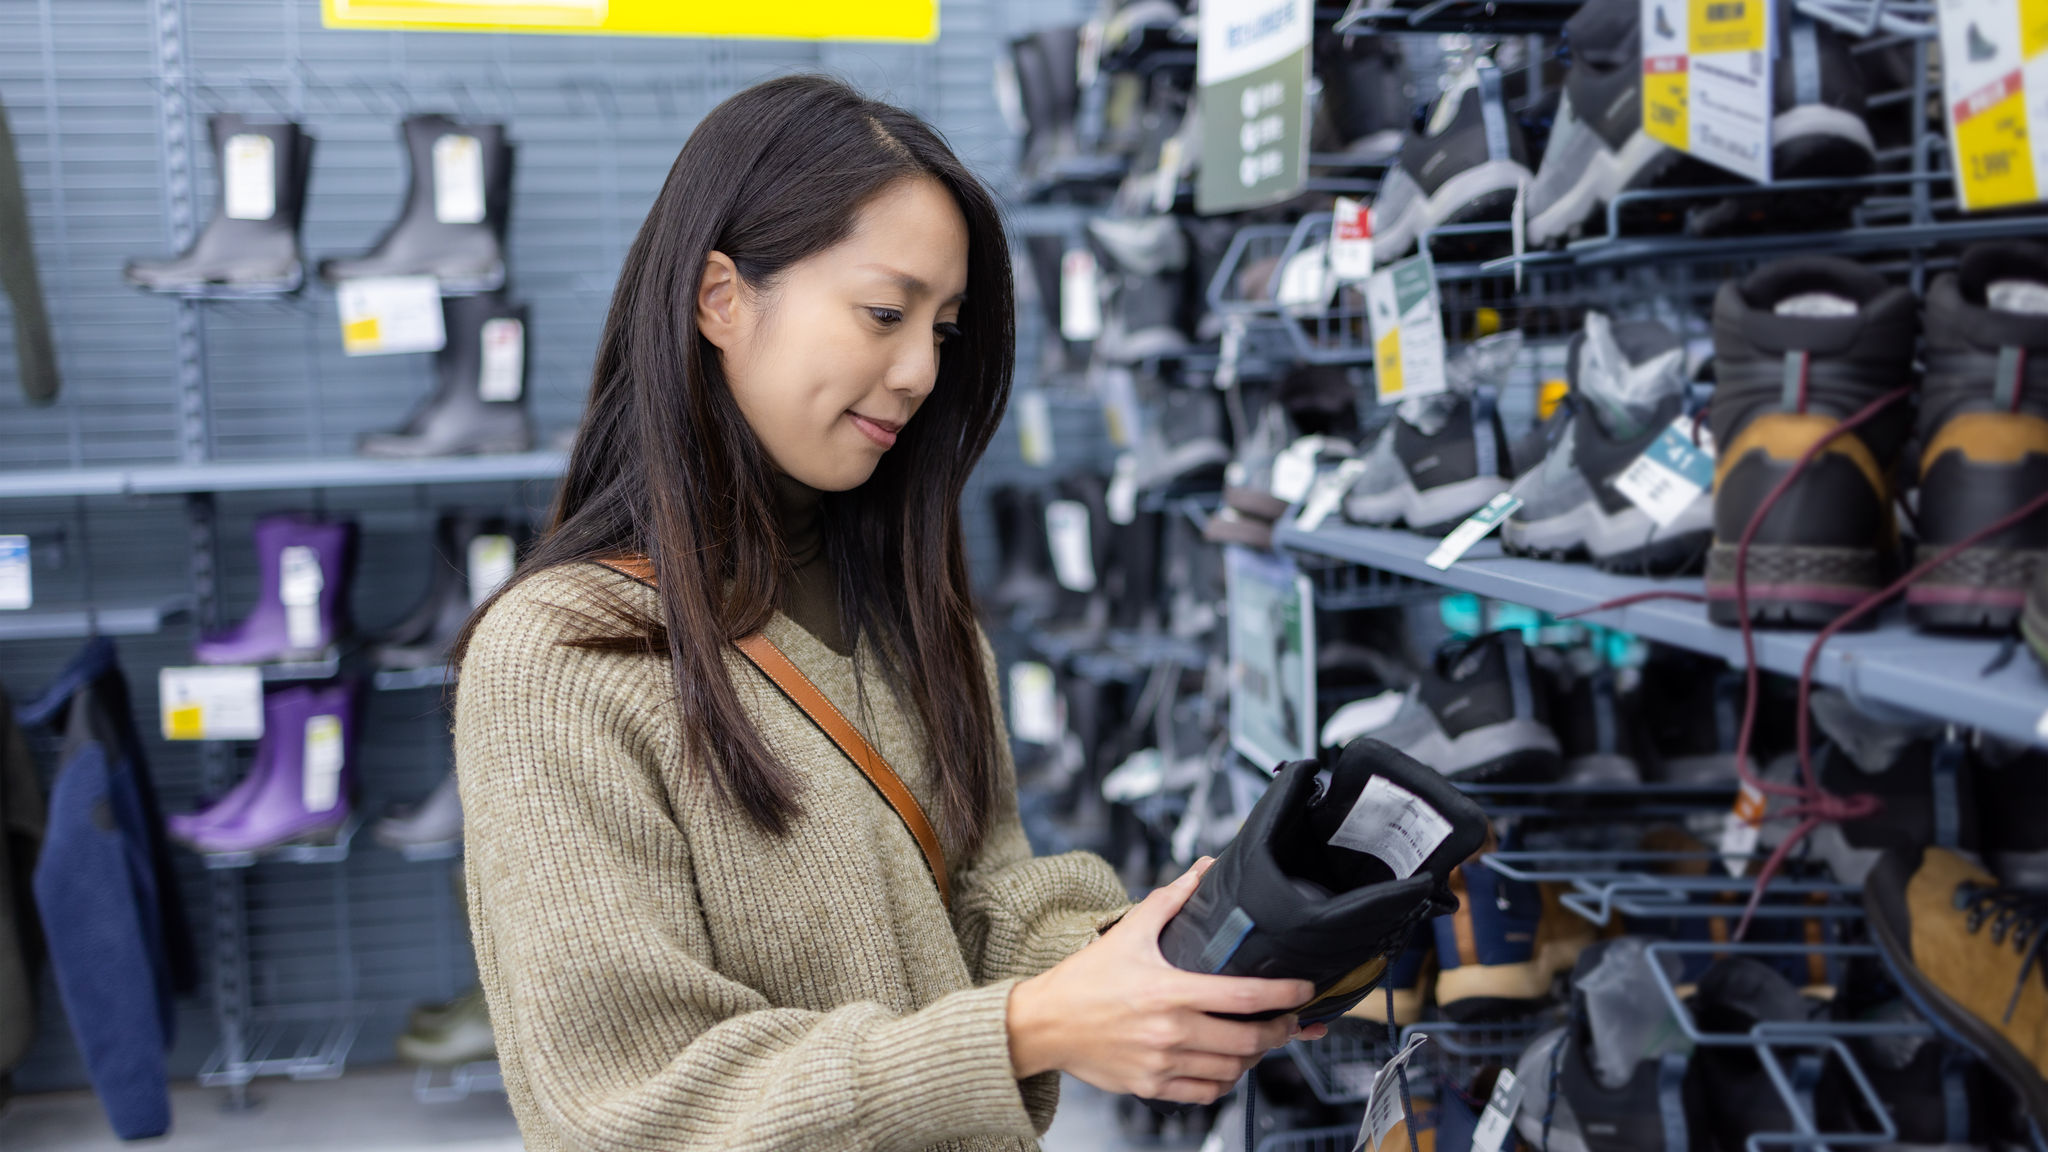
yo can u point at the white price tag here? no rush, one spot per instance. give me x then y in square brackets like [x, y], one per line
[300, 582]
[458, 179]
[385, 315]
[1307, 283]
[219, 703]
[1294, 469]
[491, 559]
[249, 182]
[1123, 490]
[1229, 348]
[1994, 69]
[1473, 530]
[1351, 240]
[1407, 319]
[1672, 472]
[1491, 1133]
[16, 590]
[1118, 388]
[1744, 829]
[1166, 181]
[1707, 81]
[1383, 1112]
[1034, 706]
[321, 782]
[1073, 548]
[1328, 492]
[1034, 428]
[503, 375]
[1080, 296]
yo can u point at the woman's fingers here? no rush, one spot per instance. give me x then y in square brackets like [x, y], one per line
[1241, 995]
[1237, 1038]
[1193, 1091]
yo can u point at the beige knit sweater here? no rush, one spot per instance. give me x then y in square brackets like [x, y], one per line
[661, 975]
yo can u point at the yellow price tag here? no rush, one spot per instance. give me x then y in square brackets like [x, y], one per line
[1665, 84]
[1727, 26]
[1386, 364]
[1992, 156]
[887, 20]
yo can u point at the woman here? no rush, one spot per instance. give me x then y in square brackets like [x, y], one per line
[697, 924]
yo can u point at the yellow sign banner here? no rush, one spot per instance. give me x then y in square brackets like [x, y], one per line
[911, 21]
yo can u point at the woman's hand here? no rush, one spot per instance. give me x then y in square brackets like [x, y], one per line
[1118, 1016]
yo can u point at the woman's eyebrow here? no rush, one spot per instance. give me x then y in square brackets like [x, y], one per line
[909, 283]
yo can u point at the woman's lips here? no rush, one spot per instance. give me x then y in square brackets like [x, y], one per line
[881, 432]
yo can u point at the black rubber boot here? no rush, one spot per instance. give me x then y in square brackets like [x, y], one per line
[251, 246]
[480, 405]
[423, 637]
[456, 209]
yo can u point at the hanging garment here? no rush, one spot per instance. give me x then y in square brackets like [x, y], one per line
[21, 834]
[117, 938]
[33, 348]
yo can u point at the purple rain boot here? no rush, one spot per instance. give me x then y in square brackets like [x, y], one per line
[309, 750]
[303, 607]
[187, 827]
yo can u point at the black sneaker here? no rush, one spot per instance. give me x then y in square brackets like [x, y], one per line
[1442, 457]
[1799, 346]
[1328, 878]
[1736, 1098]
[1466, 168]
[1934, 1095]
[1365, 113]
[1482, 714]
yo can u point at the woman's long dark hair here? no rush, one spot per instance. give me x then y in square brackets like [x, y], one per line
[666, 465]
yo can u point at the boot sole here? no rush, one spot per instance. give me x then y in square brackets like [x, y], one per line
[1789, 584]
[1959, 1024]
[1491, 992]
[1980, 590]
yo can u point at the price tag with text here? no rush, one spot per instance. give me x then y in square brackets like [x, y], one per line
[16, 590]
[1707, 80]
[1473, 530]
[1491, 1133]
[320, 785]
[1675, 471]
[1384, 1112]
[387, 315]
[249, 178]
[1034, 428]
[1034, 706]
[1351, 240]
[211, 703]
[458, 179]
[1080, 299]
[1407, 330]
[1744, 828]
[503, 375]
[1073, 546]
[491, 560]
[1994, 69]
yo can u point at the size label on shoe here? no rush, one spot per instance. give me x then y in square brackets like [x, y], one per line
[1034, 706]
[1080, 299]
[1351, 240]
[458, 179]
[210, 703]
[1994, 67]
[1707, 80]
[16, 590]
[1744, 828]
[321, 781]
[1407, 330]
[1385, 1112]
[1491, 1133]
[1328, 492]
[300, 582]
[1394, 825]
[1034, 428]
[1672, 473]
[491, 560]
[1073, 548]
[1122, 498]
[387, 315]
[1473, 530]
[502, 376]
[249, 177]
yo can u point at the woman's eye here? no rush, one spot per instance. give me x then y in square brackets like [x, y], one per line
[946, 331]
[886, 317]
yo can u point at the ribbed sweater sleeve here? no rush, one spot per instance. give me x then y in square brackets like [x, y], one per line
[604, 967]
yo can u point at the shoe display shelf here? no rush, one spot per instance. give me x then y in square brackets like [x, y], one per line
[412, 679]
[1891, 668]
[1110, 655]
[78, 621]
[1337, 1139]
[332, 851]
[273, 475]
[1859, 17]
[293, 1045]
[432, 1085]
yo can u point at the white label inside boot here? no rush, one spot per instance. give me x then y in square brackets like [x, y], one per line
[1073, 552]
[2023, 296]
[458, 180]
[299, 585]
[16, 590]
[249, 180]
[490, 565]
[1815, 304]
[503, 375]
[322, 777]
[1393, 824]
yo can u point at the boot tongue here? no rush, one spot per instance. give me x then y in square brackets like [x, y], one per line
[1626, 1013]
[1624, 386]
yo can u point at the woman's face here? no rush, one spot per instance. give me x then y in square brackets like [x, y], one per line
[831, 365]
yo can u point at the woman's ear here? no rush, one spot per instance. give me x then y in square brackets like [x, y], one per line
[718, 301]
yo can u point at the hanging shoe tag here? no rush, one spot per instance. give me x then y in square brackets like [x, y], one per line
[1407, 318]
[1327, 493]
[1230, 348]
[1123, 490]
[210, 703]
[1080, 299]
[321, 780]
[1121, 413]
[249, 179]
[1166, 181]
[15, 588]
[300, 582]
[1384, 1112]
[1491, 1133]
[1672, 473]
[1393, 825]
[1307, 283]
[1473, 530]
[1073, 551]
[386, 315]
[1743, 829]
[458, 179]
[1294, 469]
[1351, 240]
[491, 559]
[1034, 428]
[1034, 706]
[503, 375]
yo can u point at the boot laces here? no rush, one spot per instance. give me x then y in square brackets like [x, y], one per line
[2014, 914]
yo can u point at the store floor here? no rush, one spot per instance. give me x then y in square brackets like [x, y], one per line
[373, 1110]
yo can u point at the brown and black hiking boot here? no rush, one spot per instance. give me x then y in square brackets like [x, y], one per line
[1968, 953]
[1984, 435]
[1799, 346]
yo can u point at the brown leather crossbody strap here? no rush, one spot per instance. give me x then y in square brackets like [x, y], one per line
[790, 679]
